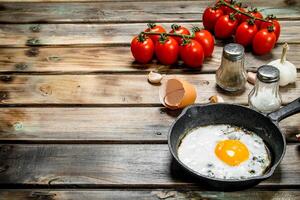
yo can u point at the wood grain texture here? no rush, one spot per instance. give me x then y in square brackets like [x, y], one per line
[147, 194]
[111, 127]
[21, 35]
[98, 125]
[111, 89]
[114, 59]
[104, 12]
[81, 1]
[87, 1]
[111, 166]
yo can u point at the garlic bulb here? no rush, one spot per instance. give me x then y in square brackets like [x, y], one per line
[288, 71]
[154, 77]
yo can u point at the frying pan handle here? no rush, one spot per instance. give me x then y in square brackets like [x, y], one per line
[286, 111]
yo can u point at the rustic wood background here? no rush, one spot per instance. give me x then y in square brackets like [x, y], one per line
[78, 119]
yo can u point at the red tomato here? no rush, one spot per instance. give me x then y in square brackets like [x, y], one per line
[167, 51]
[179, 30]
[264, 41]
[225, 26]
[210, 17]
[255, 13]
[245, 33]
[226, 9]
[206, 40]
[245, 18]
[155, 28]
[272, 18]
[142, 49]
[192, 53]
[240, 17]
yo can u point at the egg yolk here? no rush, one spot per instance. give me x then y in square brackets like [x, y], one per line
[232, 152]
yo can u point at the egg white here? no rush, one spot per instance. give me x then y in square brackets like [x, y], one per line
[197, 151]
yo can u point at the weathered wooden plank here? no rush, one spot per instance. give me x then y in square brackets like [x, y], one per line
[98, 125]
[112, 59]
[148, 194]
[110, 89]
[106, 11]
[88, 1]
[20, 35]
[111, 165]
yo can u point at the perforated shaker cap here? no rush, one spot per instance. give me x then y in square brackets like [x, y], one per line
[233, 51]
[268, 74]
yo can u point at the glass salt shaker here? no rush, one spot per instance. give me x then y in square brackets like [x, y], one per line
[265, 97]
[231, 75]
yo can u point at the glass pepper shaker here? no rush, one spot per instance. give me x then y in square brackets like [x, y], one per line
[265, 97]
[231, 75]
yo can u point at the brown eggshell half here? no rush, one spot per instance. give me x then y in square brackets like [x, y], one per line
[176, 93]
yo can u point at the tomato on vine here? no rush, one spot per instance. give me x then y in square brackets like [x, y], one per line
[225, 26]
[255, 13]
[264, 41]
[152, 27]
[210, 17]
[240, 17]
[245, 33]
[179, 30]
[167, 50]
[191, 53]
[226, 10]
[272, 20]
[142, 48]
[205, 39]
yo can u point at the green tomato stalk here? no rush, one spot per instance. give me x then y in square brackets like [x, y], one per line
[222, 2]
[169, 34]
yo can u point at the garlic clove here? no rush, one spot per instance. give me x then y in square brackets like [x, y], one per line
[216, 99]
[154, 77]
[251, 77]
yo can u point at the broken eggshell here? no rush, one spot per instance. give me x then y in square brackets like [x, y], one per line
[176, 93]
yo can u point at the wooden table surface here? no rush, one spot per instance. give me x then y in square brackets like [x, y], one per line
[78, 119]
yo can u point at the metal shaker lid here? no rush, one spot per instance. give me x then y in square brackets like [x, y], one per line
[233, 51]
[268, 74]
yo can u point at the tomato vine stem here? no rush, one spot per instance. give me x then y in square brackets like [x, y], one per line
[222, 2]
[169, 34]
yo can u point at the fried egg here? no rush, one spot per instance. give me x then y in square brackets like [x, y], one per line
[224, 151]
